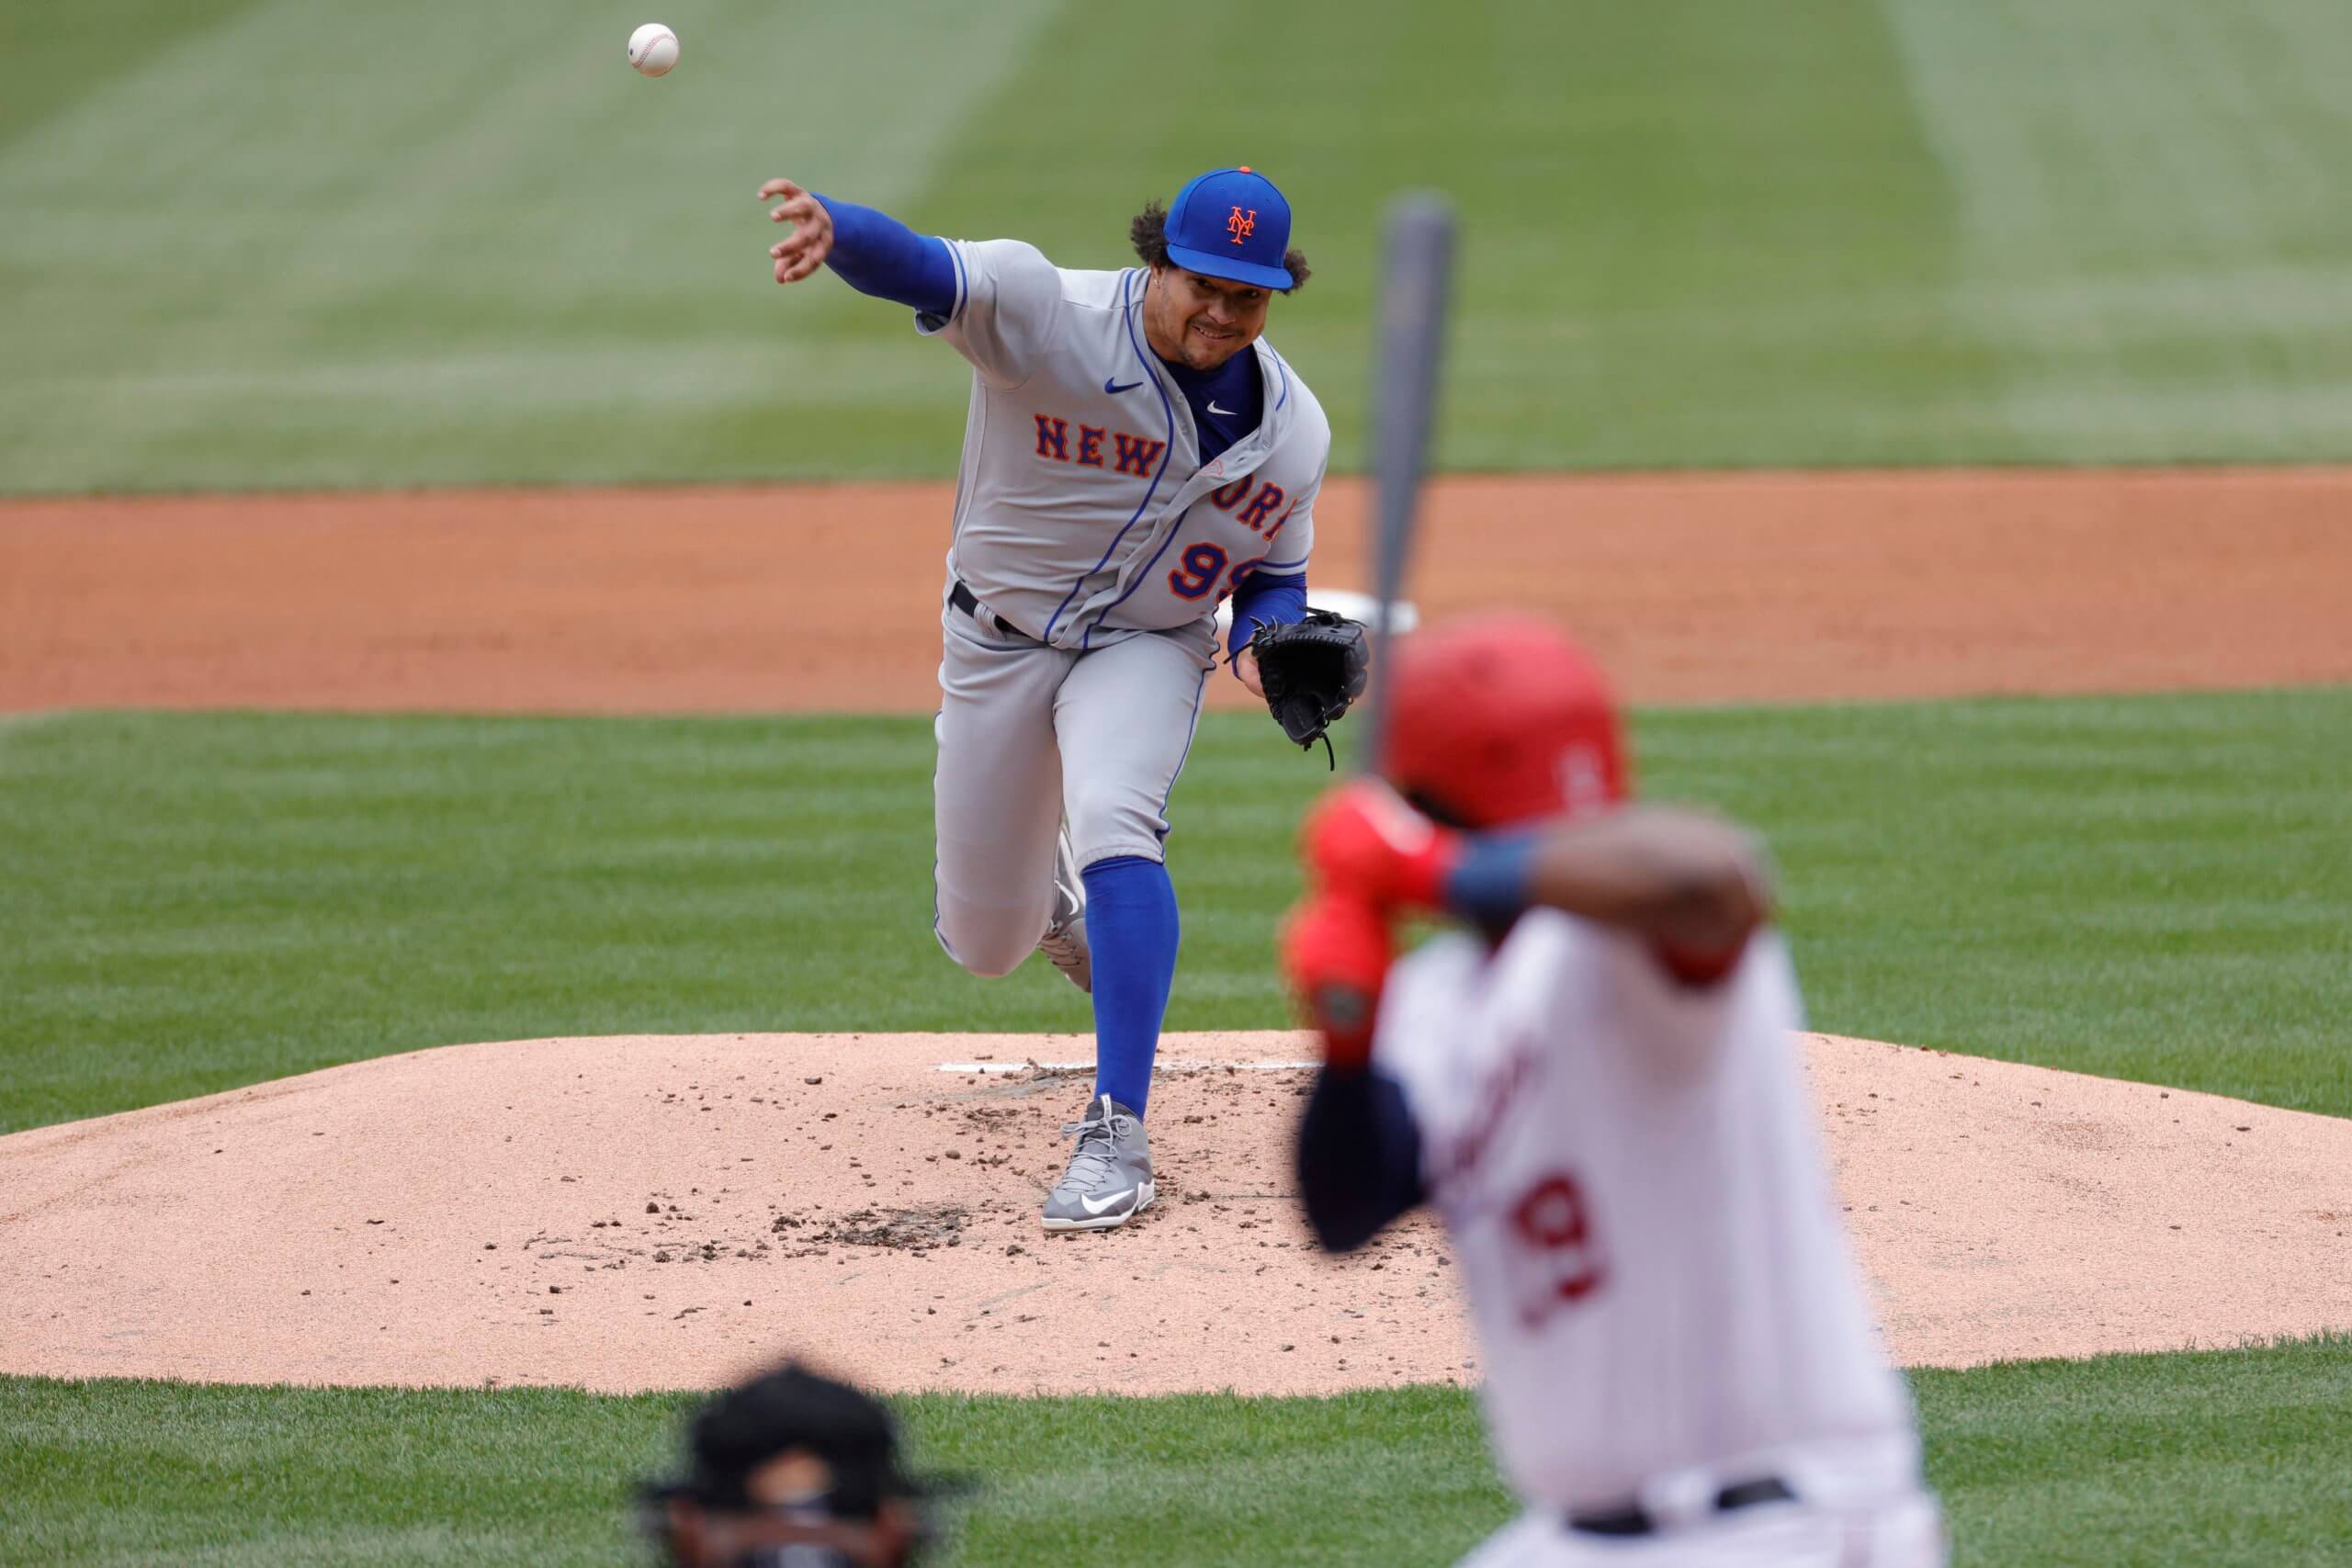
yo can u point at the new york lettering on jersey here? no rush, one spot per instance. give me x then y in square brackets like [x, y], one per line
[1130, 454]
[1210, 561]
[1084, 512]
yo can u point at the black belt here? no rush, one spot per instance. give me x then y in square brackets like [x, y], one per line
[962, 597]
[1634, 1519]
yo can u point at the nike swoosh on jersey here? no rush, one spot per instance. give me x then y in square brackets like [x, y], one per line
[1115, 386]
[1228, 412]
[1091, 1207]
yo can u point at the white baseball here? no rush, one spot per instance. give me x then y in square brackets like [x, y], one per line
[652, 50]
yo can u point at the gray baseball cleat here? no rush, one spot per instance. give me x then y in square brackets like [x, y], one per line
[1065, 939]
[1109, 1180]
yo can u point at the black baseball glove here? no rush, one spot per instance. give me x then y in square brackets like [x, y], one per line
[1312, 670]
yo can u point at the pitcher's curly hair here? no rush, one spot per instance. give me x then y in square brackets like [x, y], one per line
[1149, 233]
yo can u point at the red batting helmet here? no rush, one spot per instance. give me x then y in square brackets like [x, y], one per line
[1501, 718]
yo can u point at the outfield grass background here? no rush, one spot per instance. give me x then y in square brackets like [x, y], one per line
[300, 242]
[2148, 888]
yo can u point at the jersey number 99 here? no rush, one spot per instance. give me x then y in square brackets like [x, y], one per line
[1197, 572]
[1200, 566]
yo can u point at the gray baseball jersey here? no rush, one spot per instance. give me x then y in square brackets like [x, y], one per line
[1083, 513]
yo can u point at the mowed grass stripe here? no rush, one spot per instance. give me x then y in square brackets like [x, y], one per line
[328, 243]
[2230, 1459]
[2156, 888]
[439, 241]
[2147, 1461]
[1668, 212]
[85, 49]
[2151, 246]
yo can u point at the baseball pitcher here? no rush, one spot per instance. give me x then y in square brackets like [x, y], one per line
[1134, 454]
[1596, 1082]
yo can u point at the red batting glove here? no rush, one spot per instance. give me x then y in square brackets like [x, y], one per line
[1336, 951]
[1363, 840]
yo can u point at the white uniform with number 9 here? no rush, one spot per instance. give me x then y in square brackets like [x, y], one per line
[1653, 1254]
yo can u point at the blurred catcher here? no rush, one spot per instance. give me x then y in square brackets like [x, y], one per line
[1597, 1084]
[792, 1470]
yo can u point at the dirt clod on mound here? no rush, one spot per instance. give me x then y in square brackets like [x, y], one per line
[918, 1229]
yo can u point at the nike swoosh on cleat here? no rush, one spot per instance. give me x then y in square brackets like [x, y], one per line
[1228, 412]
[1091, 1207]
[1114, 387]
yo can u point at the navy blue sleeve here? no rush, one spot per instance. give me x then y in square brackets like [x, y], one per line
[876, 254]
[1358, 1156]
[1275, 601]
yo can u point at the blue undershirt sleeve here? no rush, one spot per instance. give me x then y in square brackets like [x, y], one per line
[1358, 1156]
[1488, 885]
[1262, 599]
[874, 254]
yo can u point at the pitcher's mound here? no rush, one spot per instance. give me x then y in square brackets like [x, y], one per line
[654, 1211]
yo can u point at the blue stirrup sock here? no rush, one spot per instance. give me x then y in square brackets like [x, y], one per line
[1133, 932]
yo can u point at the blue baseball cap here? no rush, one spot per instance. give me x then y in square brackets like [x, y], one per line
[1231, 223]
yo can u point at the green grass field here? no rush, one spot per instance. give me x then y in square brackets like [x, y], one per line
[2157, 888]
[286, 243]
[2231, 1459]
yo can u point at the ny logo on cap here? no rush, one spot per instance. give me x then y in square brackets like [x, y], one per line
[1242, 225]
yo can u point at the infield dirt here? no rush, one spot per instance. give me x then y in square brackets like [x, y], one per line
[650, 1212]
[1696, 587]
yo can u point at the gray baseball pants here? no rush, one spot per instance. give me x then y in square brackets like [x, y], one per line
[1031, 735]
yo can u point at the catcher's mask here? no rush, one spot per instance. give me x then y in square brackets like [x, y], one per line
[792, 1470]
[1499, 719]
